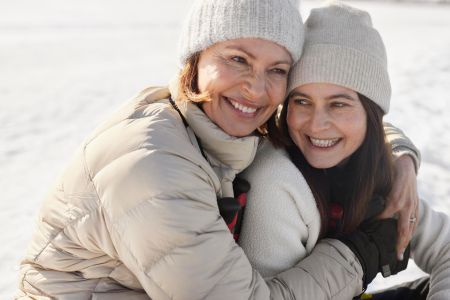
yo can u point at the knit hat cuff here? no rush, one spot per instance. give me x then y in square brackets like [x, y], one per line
[292, 44]
[353, 69]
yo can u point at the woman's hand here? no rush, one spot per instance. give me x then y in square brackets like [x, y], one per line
[404, 201]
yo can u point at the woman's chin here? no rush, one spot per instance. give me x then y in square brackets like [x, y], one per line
[236, 128]
[321, 163]
[238, 132]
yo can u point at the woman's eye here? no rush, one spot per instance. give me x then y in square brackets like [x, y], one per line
[280, 71]
[239, 59]
[300, 101]
[339, 104]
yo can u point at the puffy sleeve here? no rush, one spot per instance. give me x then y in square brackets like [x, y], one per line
[430, 247]
[401, 144]
[158, 199]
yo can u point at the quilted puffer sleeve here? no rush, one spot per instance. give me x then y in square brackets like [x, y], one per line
[331, 271]
[158, 198]
[401, 144]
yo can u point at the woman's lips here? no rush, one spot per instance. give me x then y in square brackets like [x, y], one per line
[242, 108]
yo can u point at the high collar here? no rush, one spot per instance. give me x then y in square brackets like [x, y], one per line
[221, 148]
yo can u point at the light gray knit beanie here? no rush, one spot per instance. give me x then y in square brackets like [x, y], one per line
[342, 48]
[212, 21]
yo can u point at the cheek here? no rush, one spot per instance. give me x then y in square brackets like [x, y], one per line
[290, 119]
[207, 76]
[215, 78]
[358, 129]
[294, 124]
[362, 133]
[296, 118]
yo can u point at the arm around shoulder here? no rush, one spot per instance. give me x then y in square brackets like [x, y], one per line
[401, 144]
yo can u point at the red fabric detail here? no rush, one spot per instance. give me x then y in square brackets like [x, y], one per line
[233, 223]
[336, 211]
[242, 198]
[332, 224]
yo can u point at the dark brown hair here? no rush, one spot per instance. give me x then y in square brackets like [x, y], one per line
[370, 165]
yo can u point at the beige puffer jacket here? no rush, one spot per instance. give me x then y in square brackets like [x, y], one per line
[135, 215]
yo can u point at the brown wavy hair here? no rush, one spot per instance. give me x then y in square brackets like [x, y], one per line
[371, 167]
[188, 84]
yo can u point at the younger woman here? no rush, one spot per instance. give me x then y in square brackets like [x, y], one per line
[336, 172]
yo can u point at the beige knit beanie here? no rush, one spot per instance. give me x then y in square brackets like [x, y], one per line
[342, 48]
[212, 21]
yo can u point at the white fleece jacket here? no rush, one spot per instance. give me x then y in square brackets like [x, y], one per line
[281, 227]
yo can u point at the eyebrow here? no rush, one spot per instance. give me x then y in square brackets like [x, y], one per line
[345, 96]
[253, 57]
[335, 96]
[299, 94]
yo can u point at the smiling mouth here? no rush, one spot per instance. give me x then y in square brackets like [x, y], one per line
[241, 108]
[323, 143]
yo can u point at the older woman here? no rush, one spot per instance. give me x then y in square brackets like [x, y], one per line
[135, 214]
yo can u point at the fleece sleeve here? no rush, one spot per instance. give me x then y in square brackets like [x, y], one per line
[281, 221]
[431, 250]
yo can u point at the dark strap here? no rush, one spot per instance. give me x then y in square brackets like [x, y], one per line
[186, 124]
[231, 209]
[175, 106]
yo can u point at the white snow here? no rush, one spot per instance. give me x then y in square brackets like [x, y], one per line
[65, 65]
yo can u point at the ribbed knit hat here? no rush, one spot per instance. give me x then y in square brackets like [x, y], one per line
[212, 21]
[342, 48]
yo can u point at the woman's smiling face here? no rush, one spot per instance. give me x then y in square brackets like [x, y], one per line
[327, 123]
[246, 80]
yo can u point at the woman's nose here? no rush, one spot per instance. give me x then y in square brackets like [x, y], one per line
[255, 87]
[319, 120]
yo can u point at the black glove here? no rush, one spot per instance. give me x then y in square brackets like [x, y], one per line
[374, 245]
[385, 237]
[388, 265]
[366, 251]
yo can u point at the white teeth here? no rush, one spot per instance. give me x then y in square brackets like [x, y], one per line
[242, 108]
[323, 143]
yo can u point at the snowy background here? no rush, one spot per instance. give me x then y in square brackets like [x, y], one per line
[65, 65]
